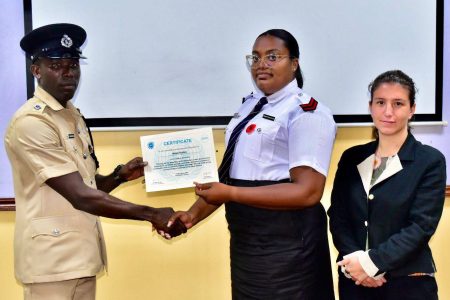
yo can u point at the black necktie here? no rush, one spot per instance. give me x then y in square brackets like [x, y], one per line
[224, 169]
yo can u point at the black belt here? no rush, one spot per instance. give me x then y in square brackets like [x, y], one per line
[245, 183]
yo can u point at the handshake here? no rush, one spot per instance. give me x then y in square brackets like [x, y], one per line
[169, 223]
[165, 220]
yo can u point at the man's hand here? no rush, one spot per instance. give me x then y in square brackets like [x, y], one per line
[133, 169]
[214, 192]
[160, 221]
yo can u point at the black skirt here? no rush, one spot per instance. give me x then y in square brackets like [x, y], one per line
[278, 254]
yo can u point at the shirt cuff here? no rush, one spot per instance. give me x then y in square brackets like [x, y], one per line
[367, 264]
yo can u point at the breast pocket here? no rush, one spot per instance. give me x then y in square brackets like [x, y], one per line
[72, 145]
[79, 147]
[261, 141]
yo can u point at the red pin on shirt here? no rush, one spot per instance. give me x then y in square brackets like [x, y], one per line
[250, 129]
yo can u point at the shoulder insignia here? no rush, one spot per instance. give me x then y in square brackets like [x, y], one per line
[247, 97]
[310, 106]
[38, 107]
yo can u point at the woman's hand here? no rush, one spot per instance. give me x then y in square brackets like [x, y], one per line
[373, 283]
[354, 269]
[214, 192]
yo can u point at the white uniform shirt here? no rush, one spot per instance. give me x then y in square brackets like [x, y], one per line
[282, 136]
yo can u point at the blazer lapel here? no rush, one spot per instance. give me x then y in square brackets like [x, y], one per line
[393, 167]
[365, 169]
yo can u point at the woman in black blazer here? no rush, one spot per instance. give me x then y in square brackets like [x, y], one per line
[386, 203]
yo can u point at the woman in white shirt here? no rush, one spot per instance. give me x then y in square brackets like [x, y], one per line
[272, 177]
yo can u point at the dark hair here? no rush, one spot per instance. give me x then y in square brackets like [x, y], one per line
[291, 44]
[395, 76]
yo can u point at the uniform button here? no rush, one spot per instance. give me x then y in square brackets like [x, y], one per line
[84, 155]
[92, 182]
[55, 231]
[371, 197]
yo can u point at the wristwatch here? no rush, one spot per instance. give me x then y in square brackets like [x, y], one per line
[116, 175]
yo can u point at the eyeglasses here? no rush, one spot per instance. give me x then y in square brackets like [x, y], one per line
[269, 59]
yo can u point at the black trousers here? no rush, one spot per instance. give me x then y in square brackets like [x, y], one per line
[278, 254]
[396, 288]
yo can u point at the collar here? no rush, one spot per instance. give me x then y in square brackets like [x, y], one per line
[407, 150]
[50, 101]
[288, 90]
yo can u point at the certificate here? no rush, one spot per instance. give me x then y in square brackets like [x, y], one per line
[177, 159]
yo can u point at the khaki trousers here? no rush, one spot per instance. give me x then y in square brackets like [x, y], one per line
[74, 289]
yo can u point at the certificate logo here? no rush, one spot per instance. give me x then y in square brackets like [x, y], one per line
[151, 145]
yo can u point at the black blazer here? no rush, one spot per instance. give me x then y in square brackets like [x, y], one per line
[398, 214]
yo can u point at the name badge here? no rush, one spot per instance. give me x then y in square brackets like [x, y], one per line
[268, 117]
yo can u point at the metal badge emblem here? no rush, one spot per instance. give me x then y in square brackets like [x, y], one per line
[66, 41]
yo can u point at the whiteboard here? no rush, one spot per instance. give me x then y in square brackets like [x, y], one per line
[181, 62]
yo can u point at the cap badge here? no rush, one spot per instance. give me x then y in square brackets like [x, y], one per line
[66, 41]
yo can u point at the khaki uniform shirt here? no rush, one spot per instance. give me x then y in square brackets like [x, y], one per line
[53, 241]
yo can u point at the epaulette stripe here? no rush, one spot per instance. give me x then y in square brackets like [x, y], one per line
[310, 106]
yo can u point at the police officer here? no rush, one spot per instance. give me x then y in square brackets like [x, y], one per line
[59, 244]
[272, 177]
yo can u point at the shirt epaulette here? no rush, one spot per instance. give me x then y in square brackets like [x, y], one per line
[247, 97]
[310, 106]
[39, 107]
